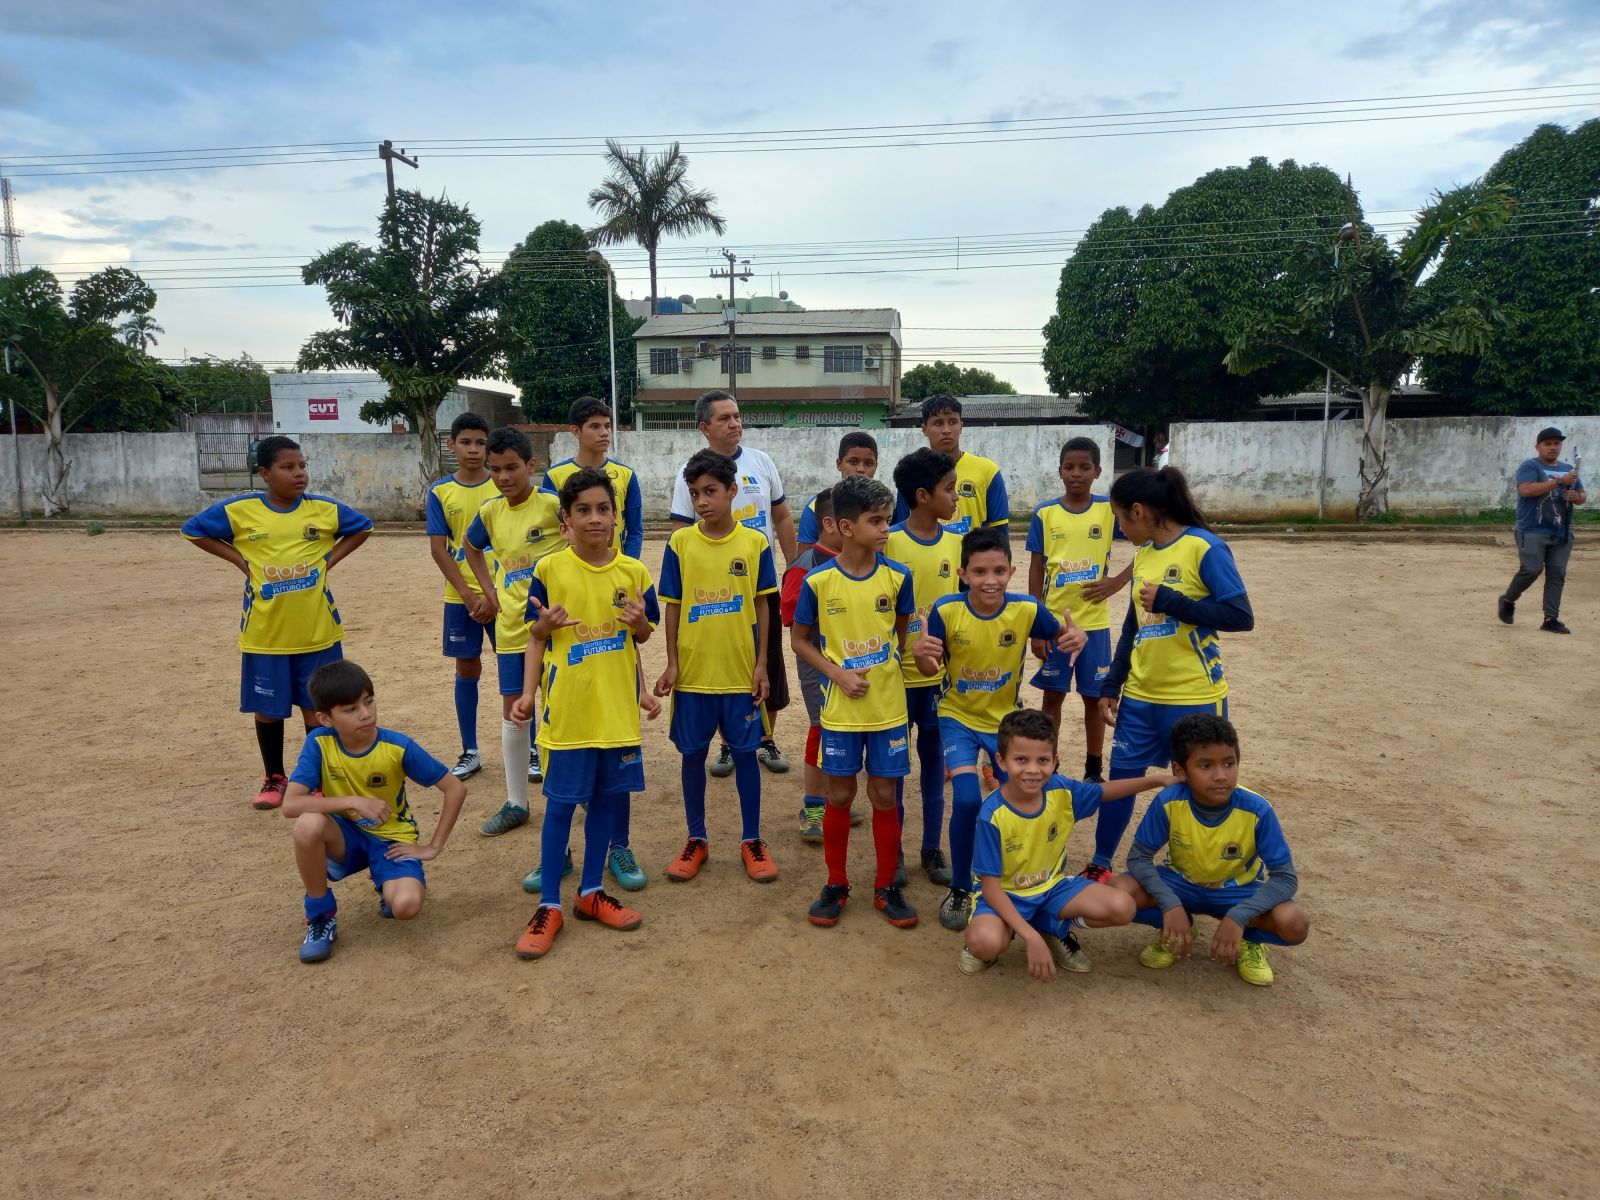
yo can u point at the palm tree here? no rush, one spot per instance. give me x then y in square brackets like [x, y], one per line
[139, 331]
[646, 198]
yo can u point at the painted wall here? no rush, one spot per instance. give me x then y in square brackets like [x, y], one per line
[109, 474]
[325, 402]
[374, 472]
[805, 457]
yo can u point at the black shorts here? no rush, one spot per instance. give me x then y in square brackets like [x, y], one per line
[777, 670]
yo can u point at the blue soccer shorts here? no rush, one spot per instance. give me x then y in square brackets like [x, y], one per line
[513, 672]
[274, 685]
[1057, 674]
[922, 707]
[1043, 909]
[578, 776]
[1201, 901]
[1142, 736]
[962, 746]
[363, 852]
[886, 752]
[696, 717]
[463, 637]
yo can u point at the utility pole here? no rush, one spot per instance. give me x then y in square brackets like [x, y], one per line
[731, 313]
[8, 231]
[388, 153]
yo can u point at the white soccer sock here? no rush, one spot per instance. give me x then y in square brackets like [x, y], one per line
[514, 754]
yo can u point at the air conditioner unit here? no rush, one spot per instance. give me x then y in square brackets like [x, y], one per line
[686, 365]
[705, 348]
[869, 363]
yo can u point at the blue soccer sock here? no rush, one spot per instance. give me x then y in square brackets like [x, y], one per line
[747, 777]
[1266, 936]
[692, 774]
[621, 814]
[597, 825]
[320, 906]
[966, 798]
[554, 837]
[930, 754]
[467, 712]
[1109, 827]
[810, 801]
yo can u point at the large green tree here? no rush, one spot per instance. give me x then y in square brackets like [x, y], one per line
[1541, 269]
[949, 379]
[1149, 303]
[553, 324]
[646, 198]
[71, 355]
[417, 308]
[223, 385]
[1368, 320]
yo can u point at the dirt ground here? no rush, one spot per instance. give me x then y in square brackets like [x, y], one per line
[1435, 1037]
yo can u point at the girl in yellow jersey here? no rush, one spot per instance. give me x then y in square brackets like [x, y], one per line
[1168, 663]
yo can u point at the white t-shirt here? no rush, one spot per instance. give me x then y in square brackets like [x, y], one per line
[759, 489]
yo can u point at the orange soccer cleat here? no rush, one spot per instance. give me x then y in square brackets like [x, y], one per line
[540, 934]
[597, 906]
[687, 865]
[758, 863]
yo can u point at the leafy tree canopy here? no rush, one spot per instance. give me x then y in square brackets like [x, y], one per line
[942, 378]
[223, 385]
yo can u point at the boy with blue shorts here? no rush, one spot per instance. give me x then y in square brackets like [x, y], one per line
[520, 526]
[859, 604]
[284, 542]
[980, 639]
[348, 800]
[1021, 857]
[1069, 545]
[589, 608]
[468, 616]
[1226, 859]
[715, 577]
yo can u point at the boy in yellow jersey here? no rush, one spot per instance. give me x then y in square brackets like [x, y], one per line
[348, 801]
[590, 609]
[1226, 858]
[715, 576]
[858, 455]
[1069, 544]
[284, 542]
[859, 603]
[468, 616]
[1168, 662]
[1021, 857]
[519, 527]
[980, 639]
[980, 487]
[590, 418]
[926, 482]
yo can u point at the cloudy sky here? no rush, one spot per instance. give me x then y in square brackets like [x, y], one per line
[870, 225]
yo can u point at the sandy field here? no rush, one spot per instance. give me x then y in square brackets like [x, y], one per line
[1435, 1037]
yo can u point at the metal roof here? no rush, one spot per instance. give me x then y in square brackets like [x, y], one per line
[815, 322]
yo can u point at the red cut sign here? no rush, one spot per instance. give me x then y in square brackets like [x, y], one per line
[323, 410]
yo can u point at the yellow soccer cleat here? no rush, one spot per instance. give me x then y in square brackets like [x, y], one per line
[1156, 956]
[1253, 967]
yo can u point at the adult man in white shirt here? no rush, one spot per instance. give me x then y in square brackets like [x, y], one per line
[760, 504]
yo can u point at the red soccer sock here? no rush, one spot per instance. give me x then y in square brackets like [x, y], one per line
[836, 843]
[886, 840]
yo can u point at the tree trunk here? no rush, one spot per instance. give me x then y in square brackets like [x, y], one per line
[428, 445]
[1373, 500]
[652, 281]
[56, 465]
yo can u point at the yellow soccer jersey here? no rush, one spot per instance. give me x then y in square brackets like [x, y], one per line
[1174, 662]
[1028, 854]
[591, 669]
[628, 536]
[1215, 847]
[451, 507]
[288, 608]
[933, 568]
[717, 583]
[983, 656]
[980, 494]
[380, 772]
[1076, 548]
[855, 620]
[515, 537]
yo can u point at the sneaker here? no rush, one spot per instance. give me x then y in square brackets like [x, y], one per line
[1156, 956]
[1253, 966]
[827, 908]
[321, 933]
[607, 910]
[891, 902]
[1068, 954]
[625, 869]
[540, 934]
[1506, 609]
[758, 863]
[971, 964]
[687, 865]
[1095, 873]
[1551, 625]
[936, 867]
[723, 767]
[271, 796]
[508, 818]
[956, 910]
[811, 822]
[770, 757]
[901, 879]
[535, 770]
[533, 881]
[468, 765]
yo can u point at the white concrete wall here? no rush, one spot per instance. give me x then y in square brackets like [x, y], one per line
[109, 474]
[377, 473]
[294, 392]
[1029, 457]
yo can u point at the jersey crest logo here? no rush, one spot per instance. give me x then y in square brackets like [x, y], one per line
[536, 535]
[312, 533]
[377, 779]
[944, 569]
[619, 598]
[1008, 637]
[1094, 533]
[1050, 834]
[611, 473]
[737, 567]
[1174, 574]
[967, 490]
[881, 604]
[1231, 852]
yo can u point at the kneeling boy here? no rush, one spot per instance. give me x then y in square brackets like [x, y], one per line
[1226, 858]
[1021, 856]
[348, 800]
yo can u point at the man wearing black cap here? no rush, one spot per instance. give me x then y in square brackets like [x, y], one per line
[1547, 488]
